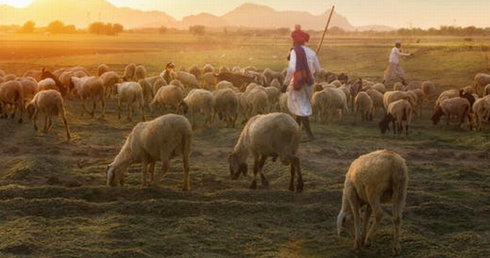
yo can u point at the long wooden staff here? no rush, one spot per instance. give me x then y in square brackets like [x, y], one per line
[325, 31]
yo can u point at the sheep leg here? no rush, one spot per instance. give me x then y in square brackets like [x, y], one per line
[118, 109]
[397, 221]
[66, 125]
[253, 185]
[34, 119]
[367, 215]
[144, 164]
[355, 206]
[378, 216]
[152, 171]
[265, 182]
[159, 176]
[295, 165]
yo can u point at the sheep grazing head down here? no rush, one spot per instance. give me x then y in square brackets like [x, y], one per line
[345, 223]
[236, 168]
[115, 176]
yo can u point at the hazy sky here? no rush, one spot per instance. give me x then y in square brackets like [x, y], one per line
[396, 13]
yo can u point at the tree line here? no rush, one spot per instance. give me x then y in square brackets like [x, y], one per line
[58, 27]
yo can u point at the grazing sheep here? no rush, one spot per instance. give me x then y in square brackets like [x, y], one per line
[208, 81]
[271, 135]
[128, 74]
[195, 70]
[319, 105]
[198, 101]
[67, 74]
[208, 68]
[60, 86]
[168, 95]
[109, 81]
[90, 87]
[225, 105]
[379, 87]
[147, 88]
[161, 139]
[336, 103]
[481, 80]
[51, 103]
[392, 96]
[372, 179]
[447, 94]
[225, 84]
[11, 93]
[273, 95]
[400, 114]
[458, 107]
[486, 90]
[29, 86]
[256, 101]
[132, 93]
[270, 75]
[364, 104]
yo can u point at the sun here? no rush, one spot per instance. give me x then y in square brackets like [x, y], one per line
[16, 3]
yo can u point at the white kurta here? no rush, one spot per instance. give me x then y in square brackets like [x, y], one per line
[299, 100]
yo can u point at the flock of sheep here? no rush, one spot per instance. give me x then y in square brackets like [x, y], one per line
[224, 94]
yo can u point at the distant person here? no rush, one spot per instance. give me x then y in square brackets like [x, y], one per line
[394, 64]
[300, 76]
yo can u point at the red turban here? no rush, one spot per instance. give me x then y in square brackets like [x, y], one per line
[300, 37]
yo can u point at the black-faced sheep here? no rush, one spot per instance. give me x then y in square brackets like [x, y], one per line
[161, 139]
[271, 135]
[372, 179]
[400, 114]
[50, 102]
[132, 94]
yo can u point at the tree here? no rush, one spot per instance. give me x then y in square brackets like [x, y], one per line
[96, 28]
[162, 30]
[55, 27]
[28, 27]
[197, 30]
[117, 28]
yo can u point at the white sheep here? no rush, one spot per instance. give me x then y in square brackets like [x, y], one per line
[447, 94]
[187, 79]
[208, 81]
[429, 90]
[47, 84]
[161, 139]
[168, 95]
[225, 105]
[372, 179]
[481, 113]
[139, 73]
[132, 94]
[457, 107]
[208, 68]
[51, 103]
[377, 98]
[255, 101]
[90, 87]
[363, 104]
[198, 101]
[11, 93]
[270, 135]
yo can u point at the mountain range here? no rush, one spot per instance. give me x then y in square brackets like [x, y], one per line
[82, 13]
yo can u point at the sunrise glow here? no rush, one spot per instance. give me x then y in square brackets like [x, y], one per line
[16, 3]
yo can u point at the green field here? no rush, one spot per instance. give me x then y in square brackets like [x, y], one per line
[54, 202]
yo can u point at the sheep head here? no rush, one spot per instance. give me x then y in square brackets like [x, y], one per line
[384, 124]
[437, 115]
[345, 223]
[236, 167]
[114, 176]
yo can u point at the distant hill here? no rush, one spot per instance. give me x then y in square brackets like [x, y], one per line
[82, 13]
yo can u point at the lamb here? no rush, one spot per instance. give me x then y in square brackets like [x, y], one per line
[132, 93]
[198, 101]
[168, 95]
[225, 105]
[11, 93]
[270, 135]
[372, 179]
[90, 87]
[400, 114]
[457, 106]
[481, 80]
[161, 139]
[364, 104]
[51, 103]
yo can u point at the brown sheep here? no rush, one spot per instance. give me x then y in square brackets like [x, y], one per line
[90, 87]
[11, 93]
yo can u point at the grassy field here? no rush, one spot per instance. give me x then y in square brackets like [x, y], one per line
[54, 202]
